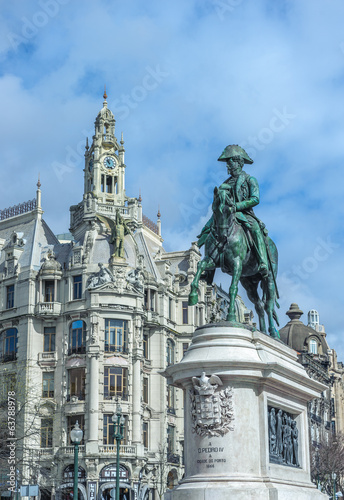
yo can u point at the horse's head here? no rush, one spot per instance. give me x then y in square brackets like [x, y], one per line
[223, 209]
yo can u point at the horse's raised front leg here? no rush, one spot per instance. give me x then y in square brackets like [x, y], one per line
[203, 265]
[233, 289]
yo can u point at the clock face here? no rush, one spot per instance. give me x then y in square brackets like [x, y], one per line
[109, 162]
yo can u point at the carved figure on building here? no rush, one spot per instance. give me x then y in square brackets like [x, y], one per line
[118, 230]
[283, 438]
[211, 411]
[295, 440]
[99, 278]
[272, 430]
[135, 279]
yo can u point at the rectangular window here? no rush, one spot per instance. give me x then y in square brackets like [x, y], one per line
[115, 382]
[77, 383]
[116, 335]
[185, 347]
[7, 384]
[48, 385]
[170, 399]
[145, 434]
[185, 311]
[102, 187]
[109, 184]
[10, 297]
[145, 390]
[170, 304]
[46, 432]
[170, 440]
[145, 346]
[152, 300]
[71, 421]
[49, 339]
[108, 429]
[49, 291]
[77, 287]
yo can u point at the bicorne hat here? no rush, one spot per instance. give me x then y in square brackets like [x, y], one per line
[235, 150]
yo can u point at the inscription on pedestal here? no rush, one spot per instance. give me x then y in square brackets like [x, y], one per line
[211, 412]
[210, 456]
[283, 438]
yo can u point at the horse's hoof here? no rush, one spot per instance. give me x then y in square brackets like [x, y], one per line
[274, 333]
[193, 298]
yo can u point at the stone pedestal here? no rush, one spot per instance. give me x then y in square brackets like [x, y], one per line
[232, 377]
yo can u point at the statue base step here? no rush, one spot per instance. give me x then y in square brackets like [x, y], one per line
[246, 424]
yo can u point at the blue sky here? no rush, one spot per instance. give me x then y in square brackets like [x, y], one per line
[184, 80]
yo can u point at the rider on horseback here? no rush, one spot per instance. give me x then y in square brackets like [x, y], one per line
[244, 190]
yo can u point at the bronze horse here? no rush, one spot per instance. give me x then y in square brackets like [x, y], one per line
[229, 247]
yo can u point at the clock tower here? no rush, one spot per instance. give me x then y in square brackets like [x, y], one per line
[104, 161]
[104, 179]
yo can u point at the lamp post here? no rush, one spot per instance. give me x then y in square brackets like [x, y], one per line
[76, 438]
[118, 423]
[334, 477]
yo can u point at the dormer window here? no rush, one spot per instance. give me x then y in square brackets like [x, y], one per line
[313, 346]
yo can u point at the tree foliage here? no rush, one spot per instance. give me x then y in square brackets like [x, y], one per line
[328, 458]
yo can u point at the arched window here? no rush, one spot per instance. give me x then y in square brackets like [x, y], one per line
[313, 346]
[77, 337]
[170, 352]
[8, 345]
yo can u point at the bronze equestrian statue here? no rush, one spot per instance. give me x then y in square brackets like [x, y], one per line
[236, 241]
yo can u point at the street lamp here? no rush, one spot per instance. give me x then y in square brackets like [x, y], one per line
[334, 477]
[76, 438]
[118, 425]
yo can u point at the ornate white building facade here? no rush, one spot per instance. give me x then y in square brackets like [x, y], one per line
[93, 321]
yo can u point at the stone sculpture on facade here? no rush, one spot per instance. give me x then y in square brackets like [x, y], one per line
[118, 229]
[212, 412]
[236, 241]
[99, 278]
[283, 438]
[135, 279]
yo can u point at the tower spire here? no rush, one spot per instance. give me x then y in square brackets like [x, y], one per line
[105, 94]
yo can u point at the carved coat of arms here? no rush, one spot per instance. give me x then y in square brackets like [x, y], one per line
[211, 411]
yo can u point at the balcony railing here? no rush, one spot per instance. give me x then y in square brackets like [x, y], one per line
[116, 348]
[69, 450]
[48, 308]
[124, 449]
[9, 356]
[172, 458]
[47, 356]
[77, 350]
[76, 397]
[123, 395]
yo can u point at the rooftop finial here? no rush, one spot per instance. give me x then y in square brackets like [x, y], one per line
[159, 214]
[39, 182]
[122, 141]
[87, 147]
[105, 94]
[140, 199]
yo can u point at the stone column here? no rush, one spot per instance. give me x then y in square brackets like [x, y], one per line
[136, 392]
[93, 400]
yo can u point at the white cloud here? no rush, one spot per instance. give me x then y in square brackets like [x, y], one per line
[224, 77]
